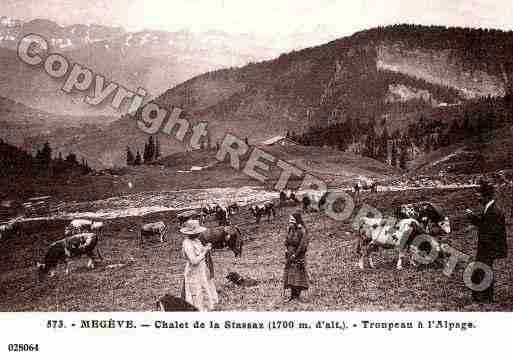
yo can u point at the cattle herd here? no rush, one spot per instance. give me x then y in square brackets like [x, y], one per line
[81, 236]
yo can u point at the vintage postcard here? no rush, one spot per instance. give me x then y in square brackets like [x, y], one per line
[279, 166]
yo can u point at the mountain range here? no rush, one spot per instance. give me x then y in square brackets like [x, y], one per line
[395, 73]
[153, 60]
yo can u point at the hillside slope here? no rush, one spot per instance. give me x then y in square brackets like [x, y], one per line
[492, 152]
[360, 76]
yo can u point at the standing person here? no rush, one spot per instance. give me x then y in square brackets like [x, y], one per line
[198, 274]
[295, 276]
[491, 244]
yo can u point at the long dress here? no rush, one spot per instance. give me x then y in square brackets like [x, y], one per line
[295, 275]
[197, 279]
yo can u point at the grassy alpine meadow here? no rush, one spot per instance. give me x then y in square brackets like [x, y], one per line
[132, 276]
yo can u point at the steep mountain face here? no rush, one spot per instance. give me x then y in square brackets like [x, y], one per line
[396, 73]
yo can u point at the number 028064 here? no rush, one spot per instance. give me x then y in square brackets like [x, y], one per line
[23, 347]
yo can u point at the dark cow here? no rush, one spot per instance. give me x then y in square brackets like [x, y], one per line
[223, 237]
[150, 229]
[366, 185]
[313, 202]
[288, 197]
[222, 215]
[239, 280]
[10, 228]
[430, 215]
[233, 208]
[65, 249]
[169, 303]
[259, 210]
[185, 216]
[207, 211]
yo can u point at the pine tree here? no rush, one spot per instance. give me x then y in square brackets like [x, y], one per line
[71, 158]
[145, 153]
[151, 149]
[402, 158]
[468, 130]
[44, 156]
[383, 146]
[129, 157]
[137, 161]
[394, 155]
[428, 145]
[157, 148]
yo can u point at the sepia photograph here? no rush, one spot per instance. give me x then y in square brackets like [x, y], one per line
[256, 156]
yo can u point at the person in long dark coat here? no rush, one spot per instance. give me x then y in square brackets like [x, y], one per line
[491, 243]
[295, 275]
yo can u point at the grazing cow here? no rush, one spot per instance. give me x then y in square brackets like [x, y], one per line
[239, 280]
[288, 197]
[222, 215]
[169, 303]
[149, 229]
[259, 210]
[185, 216]
[375, 233]
[82, 225]
[233, 208]
[430, 215]
[10, 227]
[313, 202]
[224, 237]
[66, 249]
[366, 185]
[207, 211]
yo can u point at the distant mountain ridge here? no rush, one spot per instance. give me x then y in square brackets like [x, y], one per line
[151, 59]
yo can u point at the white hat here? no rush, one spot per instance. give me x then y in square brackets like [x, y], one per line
[192, 226]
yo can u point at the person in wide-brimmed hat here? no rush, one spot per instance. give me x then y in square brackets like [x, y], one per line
[295, 275]
[197, 279]
[491, 243]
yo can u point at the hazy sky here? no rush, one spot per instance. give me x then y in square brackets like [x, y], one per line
[335, 17]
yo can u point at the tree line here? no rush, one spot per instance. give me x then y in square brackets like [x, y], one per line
[21, 172]
[151, 153]
[426, 134]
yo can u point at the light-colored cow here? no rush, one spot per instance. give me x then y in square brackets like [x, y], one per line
[376, 233]
[82, 225]
[149, 229]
